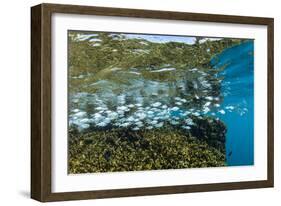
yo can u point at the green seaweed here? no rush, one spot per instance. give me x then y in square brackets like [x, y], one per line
[166, 148]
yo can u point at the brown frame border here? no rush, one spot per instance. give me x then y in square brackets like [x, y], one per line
[41, 101]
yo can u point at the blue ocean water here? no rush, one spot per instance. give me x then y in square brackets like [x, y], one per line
[238, 90]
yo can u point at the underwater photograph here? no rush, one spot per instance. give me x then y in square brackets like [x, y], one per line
[141, 102]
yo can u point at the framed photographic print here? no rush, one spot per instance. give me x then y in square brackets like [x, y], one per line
[130, 102]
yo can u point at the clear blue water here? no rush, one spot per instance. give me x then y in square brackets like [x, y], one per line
[238, 90]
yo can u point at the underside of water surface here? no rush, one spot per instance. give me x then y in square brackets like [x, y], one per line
[148, 102]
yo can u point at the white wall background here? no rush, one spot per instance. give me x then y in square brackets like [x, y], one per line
[15, 102]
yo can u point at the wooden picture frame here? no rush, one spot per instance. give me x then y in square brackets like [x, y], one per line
[41, 95]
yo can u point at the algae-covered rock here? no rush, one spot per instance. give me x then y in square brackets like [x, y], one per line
[211, 131]
[169, 147]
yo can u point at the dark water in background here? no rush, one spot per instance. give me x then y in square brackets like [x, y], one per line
[238, 90]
